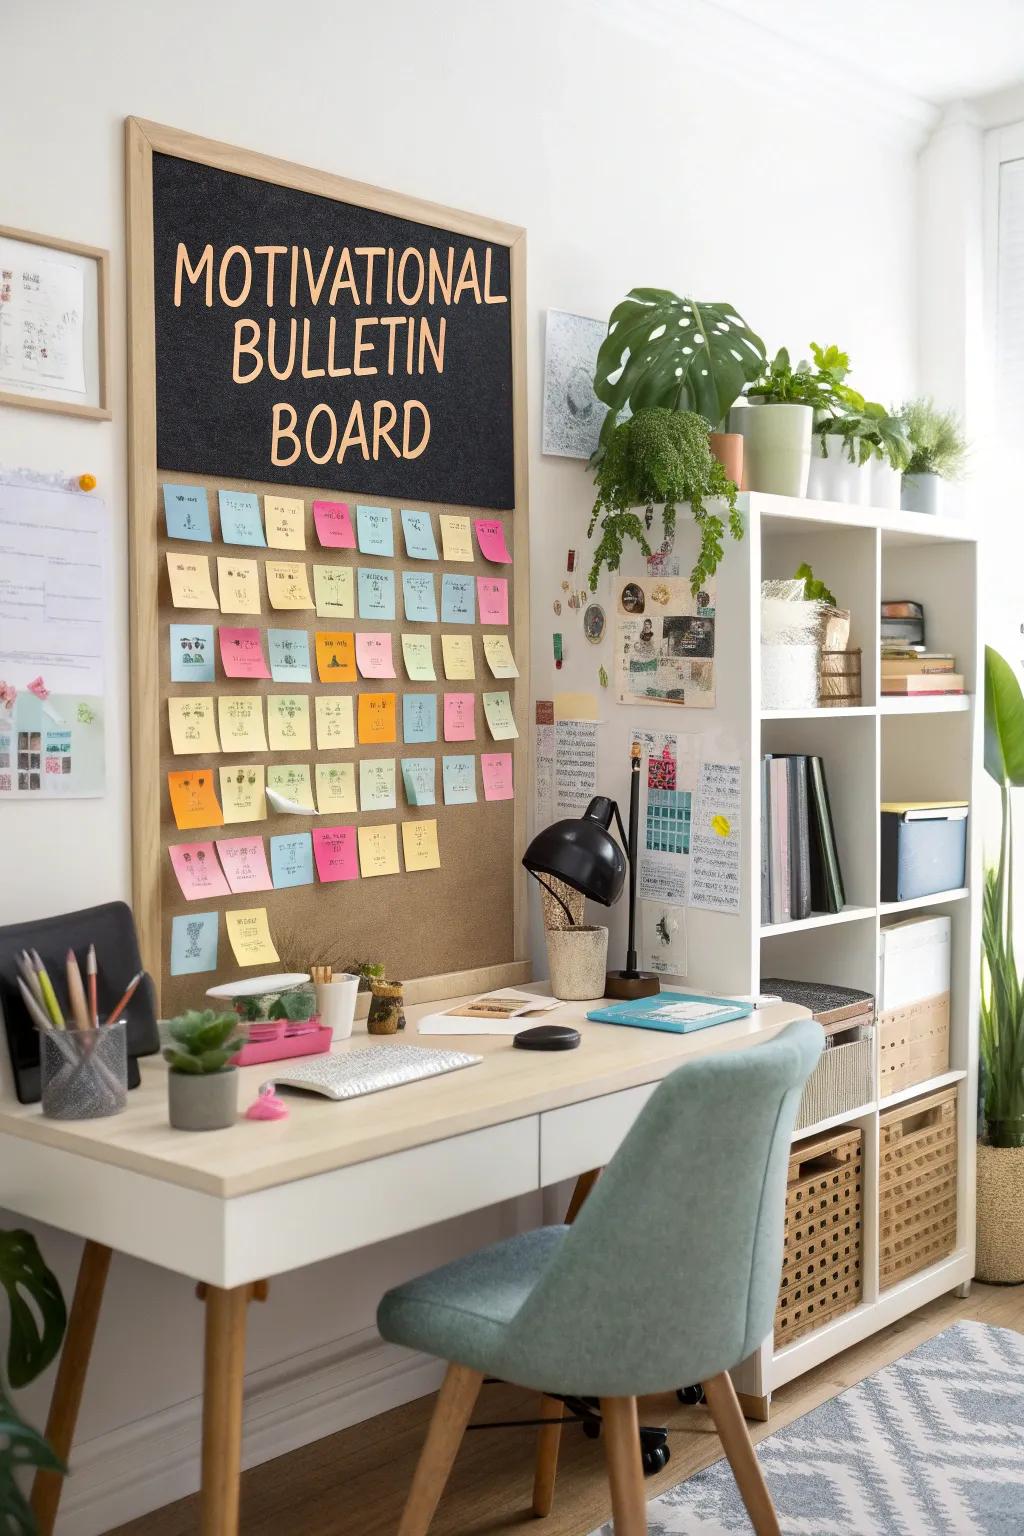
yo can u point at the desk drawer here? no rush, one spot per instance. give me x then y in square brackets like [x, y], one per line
[583, 1136]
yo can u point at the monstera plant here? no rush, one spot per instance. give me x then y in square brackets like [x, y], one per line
[37, 1327]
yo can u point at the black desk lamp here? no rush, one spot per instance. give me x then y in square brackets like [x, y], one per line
[582, 852]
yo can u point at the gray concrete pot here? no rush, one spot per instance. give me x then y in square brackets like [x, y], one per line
[202, 1102]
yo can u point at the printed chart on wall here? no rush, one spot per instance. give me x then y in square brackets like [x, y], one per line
[53, 605]
[665, 643]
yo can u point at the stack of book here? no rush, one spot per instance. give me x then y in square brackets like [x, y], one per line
[912, 671]
[800, 871]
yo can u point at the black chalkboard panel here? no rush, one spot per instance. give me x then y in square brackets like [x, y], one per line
[264, 365]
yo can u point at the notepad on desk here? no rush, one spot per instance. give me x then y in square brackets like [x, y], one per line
[501, 1012]
[679, 1013]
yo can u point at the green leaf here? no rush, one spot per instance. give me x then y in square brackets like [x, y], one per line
[1004, 721]
[34, 1295]
[180, 1061]
[22, 1448]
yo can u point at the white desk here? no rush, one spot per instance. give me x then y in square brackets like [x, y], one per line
[232, 1208]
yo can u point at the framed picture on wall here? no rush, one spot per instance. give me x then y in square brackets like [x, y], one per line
[53, 324]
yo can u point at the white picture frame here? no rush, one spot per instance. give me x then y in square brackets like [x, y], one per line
[54, 311]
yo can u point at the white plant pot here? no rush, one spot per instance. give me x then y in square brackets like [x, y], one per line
[789, 675]
[922, 493]
[578, 962]
[886, 485]
[776, 447]
[832, 477]
[336, 1004]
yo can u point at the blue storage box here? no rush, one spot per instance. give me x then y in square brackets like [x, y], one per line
[924, 848]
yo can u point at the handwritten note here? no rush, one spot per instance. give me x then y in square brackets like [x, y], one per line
[192, 653]
[289, 655]
[376, 536]
[456, 540]
[499, 656]
[459, 717]
[244, 861]
[291, 859]
[242, 791]
[288, 586]
[376, 593]
[376, 716]
[334, 726]
[194, 943]
[336, 787]
[240, 718]
[492, 596]
[288, 722]
[333, 525]
[378, 851]
[292, 781]
[286, 522]
[335, 656]
[418, 780]
[458, 605]
[715, 842]
[457, 654]
[419, 845]
[249, 936]
[458, 777]
[418, 531]
[377, 784]
[334, 591]
[187, 513]
[418, 655]
[335, 851]
[189, 578]
[496, 770]
[238, 582]
[241, 652]
[419, 717]
[418, 596]
[575, 765]
[240, 518]
[490, 535]
[192, 727]
[193, 799]
[498, 710]
[373, 655]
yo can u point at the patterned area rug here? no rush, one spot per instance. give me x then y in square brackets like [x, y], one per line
[933, 1445]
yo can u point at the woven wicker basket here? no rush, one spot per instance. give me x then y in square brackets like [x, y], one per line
[917, 1204]
[840, 1082]
[821, 1267]
[839, 679]
[1000, 1257]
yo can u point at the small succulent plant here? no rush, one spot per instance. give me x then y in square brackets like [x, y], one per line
[204, 1042]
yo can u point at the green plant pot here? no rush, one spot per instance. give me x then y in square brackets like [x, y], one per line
[202, 1101]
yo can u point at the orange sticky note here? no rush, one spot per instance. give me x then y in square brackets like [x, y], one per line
[335, 656]
[376, 718]
[193, 799]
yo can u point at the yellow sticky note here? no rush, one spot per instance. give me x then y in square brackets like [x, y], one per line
[378, 851]
[334, 591]
[334, 727]
[249, 933]
[241, 792]
[189, 576]
[192, 726]
[456, 538]
[241, 723]
[419, 845]
[575, 706]
[418, 656]
[238, 582]
[499, 656]
[377, 718]
[498, 709]
[292, 781]
[288, 722]
[288, 585]
[457, 652]
[285, 519]
[336, 787]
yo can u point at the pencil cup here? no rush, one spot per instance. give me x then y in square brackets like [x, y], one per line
[336, 1004]
[84, 1071]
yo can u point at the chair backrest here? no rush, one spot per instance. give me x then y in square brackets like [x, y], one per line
[672, 1269]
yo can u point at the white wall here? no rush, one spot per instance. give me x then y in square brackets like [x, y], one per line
[637, 144]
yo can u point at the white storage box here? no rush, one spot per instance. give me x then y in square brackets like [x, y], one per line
[914, 956]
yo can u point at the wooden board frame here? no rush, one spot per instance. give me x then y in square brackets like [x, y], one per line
[142, 140]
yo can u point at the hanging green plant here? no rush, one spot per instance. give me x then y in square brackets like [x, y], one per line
[660, 458]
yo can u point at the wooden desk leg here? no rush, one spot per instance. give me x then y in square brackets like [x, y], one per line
[223, 1383]
[67, 1392]
[584, 1184]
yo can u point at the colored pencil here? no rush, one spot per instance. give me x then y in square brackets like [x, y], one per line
[76, 992]
[49, 995]
[36, 1014]
[29, 976]
[126, 999]
[90, 971]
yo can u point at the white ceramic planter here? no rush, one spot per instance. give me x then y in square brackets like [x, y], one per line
[578, 962]
[886, 485]
[922, 493]
[776, 447]
[336, 1003]
[832, 477]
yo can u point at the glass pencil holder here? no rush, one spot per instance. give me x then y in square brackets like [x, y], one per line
[84, 1071]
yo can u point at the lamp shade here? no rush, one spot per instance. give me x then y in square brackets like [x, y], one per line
[582, 852]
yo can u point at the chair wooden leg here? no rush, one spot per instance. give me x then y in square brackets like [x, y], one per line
[549, 1437]
[738, 1446]
[67, 1392]
[455, 1401]
[625, 1470]
[223, 1384]
[584, 1184]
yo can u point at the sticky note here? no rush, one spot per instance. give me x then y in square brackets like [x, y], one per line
[334, 591]
[291, 859]
[576, 706]
[419, 717]
[490, 535]
[241, 790]
[456, 541]
[498, 710]
[375, 534]
[249, 935]
[378, 851]
[192, 653]
[241, 652]
[418, 655]
[373, 655]
[499, 656]
[240, 521]
[376, 593]
[238, 582]
[244, 862]
[334, 726]
[189, 577]
[418, 779]
[376, 718]
[192, 727]
[288, 722]
[458, 605]
[333, 525]
[240, 718]
[336, 788]
[194, 943]
[458, 776]
[292, 780]
[285, 517]
[289, 655]
[335, 656]
[492, 596]
[187, 513]
[288, 586]
[198, 872]
[419, 845]
[193, 799]
[459, 717]
[418, 532]
[335, 851]
[377, 784]
[457, 653]
[496, 769]
[419, 597]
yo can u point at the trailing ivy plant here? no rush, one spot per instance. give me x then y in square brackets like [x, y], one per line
[660, 457]
[937, 442]
[37, 1326]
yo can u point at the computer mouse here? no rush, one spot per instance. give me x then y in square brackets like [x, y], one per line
[547, 1037]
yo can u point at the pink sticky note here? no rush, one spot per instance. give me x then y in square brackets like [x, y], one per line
[459, 717]
[492, 599]
[334, 849]
[241, 652]
[373, 655]
[496, 768]
[245, 863]
[490, 535]
[198, 872]
[334, 525]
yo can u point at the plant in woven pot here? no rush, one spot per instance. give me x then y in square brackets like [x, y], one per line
[1000, 1209]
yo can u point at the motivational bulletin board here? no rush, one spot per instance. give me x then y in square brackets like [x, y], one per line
[330, 574]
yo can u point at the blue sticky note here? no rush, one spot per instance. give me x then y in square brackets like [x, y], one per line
[194, 943]
[458, 599]
[419, 716]
[418, 778]
[419, 597]
[187, 513]
[458, 775]
[376, 594]
[291, 859]
[192, 653]
[240, 521]
[420, 543]
[374, 532]
[289, 655]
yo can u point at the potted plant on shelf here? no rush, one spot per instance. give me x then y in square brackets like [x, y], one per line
[38, 1319]
[938, 451]
[202, 1085]
[863, 451]
[777, 441]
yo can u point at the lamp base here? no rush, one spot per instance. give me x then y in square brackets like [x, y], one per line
[629, 985]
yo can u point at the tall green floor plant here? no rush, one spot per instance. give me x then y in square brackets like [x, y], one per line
[1002, 992]
[37, 1320]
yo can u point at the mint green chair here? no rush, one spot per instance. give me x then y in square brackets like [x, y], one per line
[669, 1275]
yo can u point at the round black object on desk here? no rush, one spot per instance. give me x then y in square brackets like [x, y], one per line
[547, 1037]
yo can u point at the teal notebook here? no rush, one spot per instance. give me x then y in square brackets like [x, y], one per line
[680, 1013]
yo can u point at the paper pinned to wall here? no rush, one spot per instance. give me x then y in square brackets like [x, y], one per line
[575, 766]
[544, 761]
[663, 930]
[668, 782]
[716, 878]
[665, 644]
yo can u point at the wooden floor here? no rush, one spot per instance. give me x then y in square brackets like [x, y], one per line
[354, 1483]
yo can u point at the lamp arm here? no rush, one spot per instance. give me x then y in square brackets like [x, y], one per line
[623, 839]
